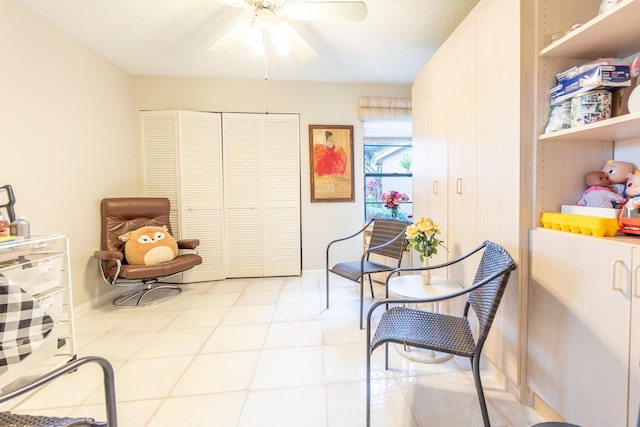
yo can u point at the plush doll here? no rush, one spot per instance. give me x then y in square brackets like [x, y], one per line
[633, 192]
[598, 195]
[618, 173]
[149, 245]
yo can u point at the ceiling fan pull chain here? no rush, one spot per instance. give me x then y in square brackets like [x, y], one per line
[266, 84]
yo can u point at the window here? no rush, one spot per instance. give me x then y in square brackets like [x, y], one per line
[387, 167]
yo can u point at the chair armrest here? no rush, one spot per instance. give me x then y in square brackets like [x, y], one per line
[108, 384]
[109, 255]
[463, 291]
[188, 243]
[351, 236]
[434, 267]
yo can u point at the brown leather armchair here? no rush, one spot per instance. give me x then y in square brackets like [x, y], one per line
[121, 215]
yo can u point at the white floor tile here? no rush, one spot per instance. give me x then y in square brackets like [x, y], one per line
[298, 406]
[236, 338]
[199, 318]
[289, 368]
[217, 373]
[149, 378]
[220, 410]
[248, 314]
[175, 342]
[294, 334]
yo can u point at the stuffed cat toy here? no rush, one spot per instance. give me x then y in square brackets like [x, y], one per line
[149, 245]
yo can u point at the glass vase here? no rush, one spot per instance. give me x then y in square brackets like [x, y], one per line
[425, 275]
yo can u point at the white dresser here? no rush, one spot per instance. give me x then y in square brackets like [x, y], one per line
[35, 302]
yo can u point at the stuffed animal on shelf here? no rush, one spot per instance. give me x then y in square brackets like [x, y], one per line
[633, 192]
[599, 195]
[149, 245]
[618, 172]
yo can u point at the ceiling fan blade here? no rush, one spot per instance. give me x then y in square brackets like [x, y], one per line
[230, 38]
[233, 3]
[299, 46]
[327, 11]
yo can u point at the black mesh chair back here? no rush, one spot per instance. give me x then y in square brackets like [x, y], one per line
[388, 240]
[485, 299]
[443, 332]
[385, 231]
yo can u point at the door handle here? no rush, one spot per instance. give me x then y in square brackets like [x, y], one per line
[459, 186]
[434, 187]
[613, 274]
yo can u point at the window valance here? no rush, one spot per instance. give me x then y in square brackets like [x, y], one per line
[379, 108]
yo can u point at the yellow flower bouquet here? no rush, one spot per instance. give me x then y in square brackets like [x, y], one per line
[422, 237]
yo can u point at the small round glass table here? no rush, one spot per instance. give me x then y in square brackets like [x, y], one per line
[410, 286]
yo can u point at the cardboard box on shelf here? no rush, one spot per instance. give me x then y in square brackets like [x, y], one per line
[599, 77]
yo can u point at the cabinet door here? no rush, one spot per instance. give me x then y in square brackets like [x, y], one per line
[462, 146]
[500, 202]
[431, 92]
[634, 354]
[579, 326]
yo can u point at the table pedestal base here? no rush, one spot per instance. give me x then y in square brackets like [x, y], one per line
[421, 354]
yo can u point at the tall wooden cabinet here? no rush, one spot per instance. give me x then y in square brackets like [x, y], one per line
[472, 137]
[584, 361]
[234, 183]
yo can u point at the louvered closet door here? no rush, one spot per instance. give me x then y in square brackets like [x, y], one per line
[243, 194]
[183, 162]
[262, 194]
[200, 153]
[160, 147]
[281, 195]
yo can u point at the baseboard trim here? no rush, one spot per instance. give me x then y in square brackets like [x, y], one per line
[546, 411]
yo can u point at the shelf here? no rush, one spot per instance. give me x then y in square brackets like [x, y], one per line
[613, 34]
[614, 129]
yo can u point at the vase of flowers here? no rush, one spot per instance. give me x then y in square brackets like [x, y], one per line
[422, 237]
[392, 200]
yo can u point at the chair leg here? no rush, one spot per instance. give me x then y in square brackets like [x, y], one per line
[386, 356]
[368, 385]
[371, 287]
[475, 361]
[361, 300]
[327, 286]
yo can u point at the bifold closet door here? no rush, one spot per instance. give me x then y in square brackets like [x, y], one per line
[262, 194]
[183, 161]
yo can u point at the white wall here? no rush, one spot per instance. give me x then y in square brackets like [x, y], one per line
[66, 136]
[318, 104]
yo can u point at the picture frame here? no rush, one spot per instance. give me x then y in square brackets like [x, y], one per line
[331, 163]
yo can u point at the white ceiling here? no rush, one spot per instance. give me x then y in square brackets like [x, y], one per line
[171, 38]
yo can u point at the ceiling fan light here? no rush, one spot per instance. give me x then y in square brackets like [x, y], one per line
[252, 35]
[279, 40]
[283, 48]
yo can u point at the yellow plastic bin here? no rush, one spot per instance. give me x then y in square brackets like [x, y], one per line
[588, 225]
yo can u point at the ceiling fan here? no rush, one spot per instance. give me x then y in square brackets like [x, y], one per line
[265, 23]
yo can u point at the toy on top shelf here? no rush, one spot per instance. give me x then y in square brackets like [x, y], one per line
[599, 195]
[618, 173]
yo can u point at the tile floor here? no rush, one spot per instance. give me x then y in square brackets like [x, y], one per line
[262, 352]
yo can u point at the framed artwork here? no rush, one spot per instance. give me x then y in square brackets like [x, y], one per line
[331, 156]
